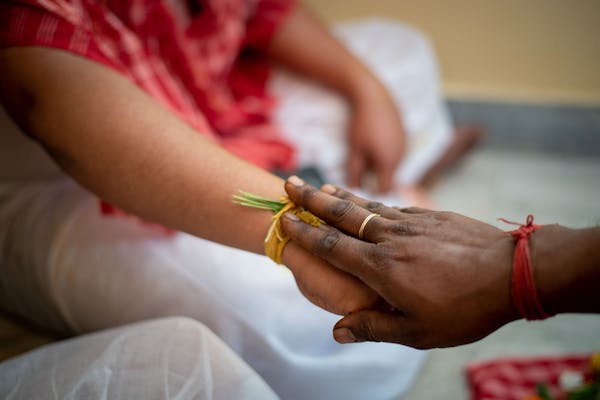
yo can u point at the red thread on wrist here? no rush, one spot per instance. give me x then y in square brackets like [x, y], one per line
[524, 291]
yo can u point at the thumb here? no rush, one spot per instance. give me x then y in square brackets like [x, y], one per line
[356, 167]
[376, 326]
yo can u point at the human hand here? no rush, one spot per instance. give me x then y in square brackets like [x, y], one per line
[326, 286]
[446, 275]
[376, 137]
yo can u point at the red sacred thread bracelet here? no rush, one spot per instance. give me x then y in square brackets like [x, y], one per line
[524, 291]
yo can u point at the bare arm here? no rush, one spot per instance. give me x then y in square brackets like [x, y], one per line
[120, 144]
[123, 146]
[376, 132]
[566, 265]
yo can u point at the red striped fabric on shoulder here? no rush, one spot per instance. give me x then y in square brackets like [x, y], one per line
[28, 24]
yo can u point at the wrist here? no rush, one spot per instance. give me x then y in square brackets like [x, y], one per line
[503, 258]
[563, 261]
[362, 87]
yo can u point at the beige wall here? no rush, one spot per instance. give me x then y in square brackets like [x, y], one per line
[538, 50]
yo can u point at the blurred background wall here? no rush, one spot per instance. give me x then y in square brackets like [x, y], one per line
[541, 51]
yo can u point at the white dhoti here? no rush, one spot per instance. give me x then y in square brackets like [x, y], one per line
[65, 267]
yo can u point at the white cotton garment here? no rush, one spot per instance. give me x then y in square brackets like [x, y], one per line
[170, 358]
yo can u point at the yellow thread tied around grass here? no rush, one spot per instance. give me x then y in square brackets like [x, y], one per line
[276, 239]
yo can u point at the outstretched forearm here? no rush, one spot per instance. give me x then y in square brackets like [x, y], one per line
[566, 265]
[129, 150]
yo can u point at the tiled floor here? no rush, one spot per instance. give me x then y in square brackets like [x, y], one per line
[556, 189]
[493, 184]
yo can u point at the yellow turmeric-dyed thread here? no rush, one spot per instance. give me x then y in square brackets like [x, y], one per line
[276, 239]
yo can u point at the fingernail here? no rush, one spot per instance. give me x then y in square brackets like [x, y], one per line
[291, 216]
[294, 180]
[328, 188]
[344, 335]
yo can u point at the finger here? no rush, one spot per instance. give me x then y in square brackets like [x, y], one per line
[370, 263]
[373, 206]
[340, 250]
[413, 210]
[399, 223]
[377, 326]
[326, 286]
[356, 167]
[343, 214]
[385, 177]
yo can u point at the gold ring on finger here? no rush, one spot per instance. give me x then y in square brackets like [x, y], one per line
[361, 230]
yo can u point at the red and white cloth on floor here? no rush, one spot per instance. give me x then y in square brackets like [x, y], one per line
[516, 378]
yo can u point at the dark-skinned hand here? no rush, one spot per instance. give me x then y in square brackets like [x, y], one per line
[445, 277]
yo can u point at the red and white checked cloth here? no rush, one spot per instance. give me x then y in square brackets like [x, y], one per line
[516, 378]
[202, 60]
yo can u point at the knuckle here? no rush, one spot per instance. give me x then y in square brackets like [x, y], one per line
[307, 192]
[374, 206]
[383, 257]
[342, 194]
[371, 333]
[442, 216]
[363, 330]
[379, 258]
[339, 209]
[327, 242]
[409, 210]
[404, 228]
